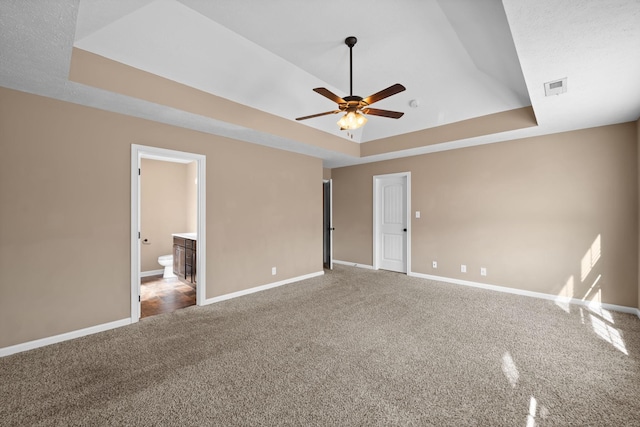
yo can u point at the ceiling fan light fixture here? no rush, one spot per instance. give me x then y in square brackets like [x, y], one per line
[352, 120]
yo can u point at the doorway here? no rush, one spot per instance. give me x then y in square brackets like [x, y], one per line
[138, 153]
[391, 222]
[327, 223]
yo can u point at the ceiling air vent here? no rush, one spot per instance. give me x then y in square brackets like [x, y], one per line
[555, 87]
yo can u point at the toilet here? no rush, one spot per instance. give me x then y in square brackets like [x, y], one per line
[167, 262]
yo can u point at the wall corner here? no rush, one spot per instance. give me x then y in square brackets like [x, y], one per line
[638, 168]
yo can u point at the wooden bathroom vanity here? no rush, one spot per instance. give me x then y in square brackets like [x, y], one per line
[184, 256]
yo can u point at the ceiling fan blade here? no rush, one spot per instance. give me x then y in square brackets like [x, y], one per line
[328, 94]
[383, 113]
[318, 115]
[385, 93]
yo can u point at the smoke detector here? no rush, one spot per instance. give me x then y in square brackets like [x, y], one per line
[555, 87]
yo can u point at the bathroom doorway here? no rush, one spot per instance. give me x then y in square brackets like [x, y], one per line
[167, 206]
[167, 198]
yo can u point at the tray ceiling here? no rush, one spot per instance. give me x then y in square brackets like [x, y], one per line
[461, 60]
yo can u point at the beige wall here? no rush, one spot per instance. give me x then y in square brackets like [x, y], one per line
[164, 209]
[191, 193]
[484, 125]
[65, 217]
[528, 210]
[326, 173]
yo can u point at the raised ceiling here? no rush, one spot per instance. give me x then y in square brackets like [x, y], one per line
[464, 61]
[247, 53]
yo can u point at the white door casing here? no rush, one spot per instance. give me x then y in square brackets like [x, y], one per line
[137, 153]
[391, 222]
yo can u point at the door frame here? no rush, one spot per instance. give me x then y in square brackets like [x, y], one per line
[137, 153]
[376, 201]
[330, 221]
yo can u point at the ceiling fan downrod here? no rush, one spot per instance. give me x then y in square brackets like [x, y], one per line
[351, 42]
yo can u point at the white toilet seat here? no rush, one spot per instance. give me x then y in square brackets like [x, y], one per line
[165, 258]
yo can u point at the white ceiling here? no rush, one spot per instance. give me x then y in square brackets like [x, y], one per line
[459, 58]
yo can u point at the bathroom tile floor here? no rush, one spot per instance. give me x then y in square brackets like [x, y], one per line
[158, 295]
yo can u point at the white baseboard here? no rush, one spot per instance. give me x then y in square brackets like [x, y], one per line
[556, 298]
[261, 288]
[353, 264]
[6, 351]
[151, 273]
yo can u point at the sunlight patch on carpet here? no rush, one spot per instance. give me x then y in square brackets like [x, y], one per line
[531, 418]
[510, 369]
[608, 333]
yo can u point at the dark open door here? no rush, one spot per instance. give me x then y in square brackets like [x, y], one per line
[327, 240]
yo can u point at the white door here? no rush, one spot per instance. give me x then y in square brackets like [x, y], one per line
[392, 223]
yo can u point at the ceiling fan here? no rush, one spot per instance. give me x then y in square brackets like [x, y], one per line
[355, 106]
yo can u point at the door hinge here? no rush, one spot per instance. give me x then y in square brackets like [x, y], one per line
[138, 234]
[139, 172]
[139, 298]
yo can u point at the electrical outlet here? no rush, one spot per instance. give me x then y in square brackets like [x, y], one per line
[483, 271]
[463, 268]
[435, 264]
[273, 271]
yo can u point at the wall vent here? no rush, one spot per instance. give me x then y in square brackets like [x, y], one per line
[555, 87]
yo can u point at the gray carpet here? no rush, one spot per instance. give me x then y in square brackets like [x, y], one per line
[353, 347]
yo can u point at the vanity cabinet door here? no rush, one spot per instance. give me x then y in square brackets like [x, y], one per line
[189, 264]
[178, 261]
[176, 257]
[184, 259]
[193, 269]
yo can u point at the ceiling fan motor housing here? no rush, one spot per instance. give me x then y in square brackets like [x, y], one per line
[353, 103]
